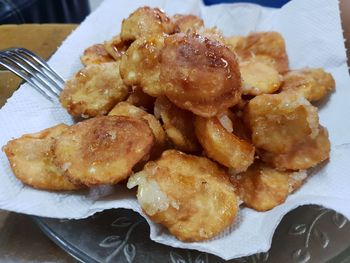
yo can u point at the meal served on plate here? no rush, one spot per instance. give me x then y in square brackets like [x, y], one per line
[201, 123]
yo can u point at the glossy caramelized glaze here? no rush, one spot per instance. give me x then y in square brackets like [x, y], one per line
[103, 150]
[199, 75]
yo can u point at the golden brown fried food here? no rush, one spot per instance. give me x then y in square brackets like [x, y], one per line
[140, 65]
[262, 187]
[189, 195]
[259, 78]
[94, 90]
[222, 145]
[213, 34]
[127, 109]
[103, 150]
[187, 23]
[313, 84]
[268, 47]
[31, 160]
[280, 121]
[140, 99]
[178, 125]
[95, 54]
[199, 75]
[144, 22]
[296, 180]
[232, 41]
[116, 47]
[190, 24]
[304, 155]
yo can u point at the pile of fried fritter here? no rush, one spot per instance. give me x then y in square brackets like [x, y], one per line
[200, 122]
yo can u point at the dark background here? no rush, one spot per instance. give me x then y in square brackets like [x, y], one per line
[72, 11]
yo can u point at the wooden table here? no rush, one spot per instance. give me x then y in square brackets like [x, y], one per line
[41, 39]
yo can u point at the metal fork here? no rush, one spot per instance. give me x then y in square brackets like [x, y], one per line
[34, 70]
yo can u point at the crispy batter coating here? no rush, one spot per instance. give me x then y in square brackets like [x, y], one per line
[189, 195]
[199, 75]
[187, 23]
[127, 109]
[222, 145]
[140, 99]
[31, 160]
[178, 125]
[190, 24]
[212, 33]
[259, 78]
[262, 187]
[265, 46]
[95, 54]
[103, 150]
[280, 121]
[116, 47]
[313, 84]
[232, 41]
[296, 180]
[140, 66]
[304, 155]
[144, 22]
[94, 90]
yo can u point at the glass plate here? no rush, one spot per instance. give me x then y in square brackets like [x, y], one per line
[307, 234]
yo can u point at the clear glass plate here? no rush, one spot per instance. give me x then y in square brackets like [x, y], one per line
[307, 234]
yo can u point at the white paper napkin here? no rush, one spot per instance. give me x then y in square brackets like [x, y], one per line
[313, 35]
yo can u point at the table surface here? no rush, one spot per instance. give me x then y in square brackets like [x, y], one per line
[20, 239]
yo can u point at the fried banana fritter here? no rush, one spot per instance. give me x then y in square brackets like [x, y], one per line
[268, 47]
[31, 160]
[190, 24]
[94, 90]
[262, 187]
[103, 150]
[199, 75]
[303, 155]
[213, 34]
[313, 84]
[259, 78]
[140, 99]
[278, 122]
[187, 23]
[232, 41]
[222, 145]
[189, 195]
[140, 66]
[116, 47]
[296, 180]
[127, 109]
[178, 125]
[95, 54]
[144, 22]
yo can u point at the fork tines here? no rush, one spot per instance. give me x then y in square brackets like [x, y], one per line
[34, 70]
